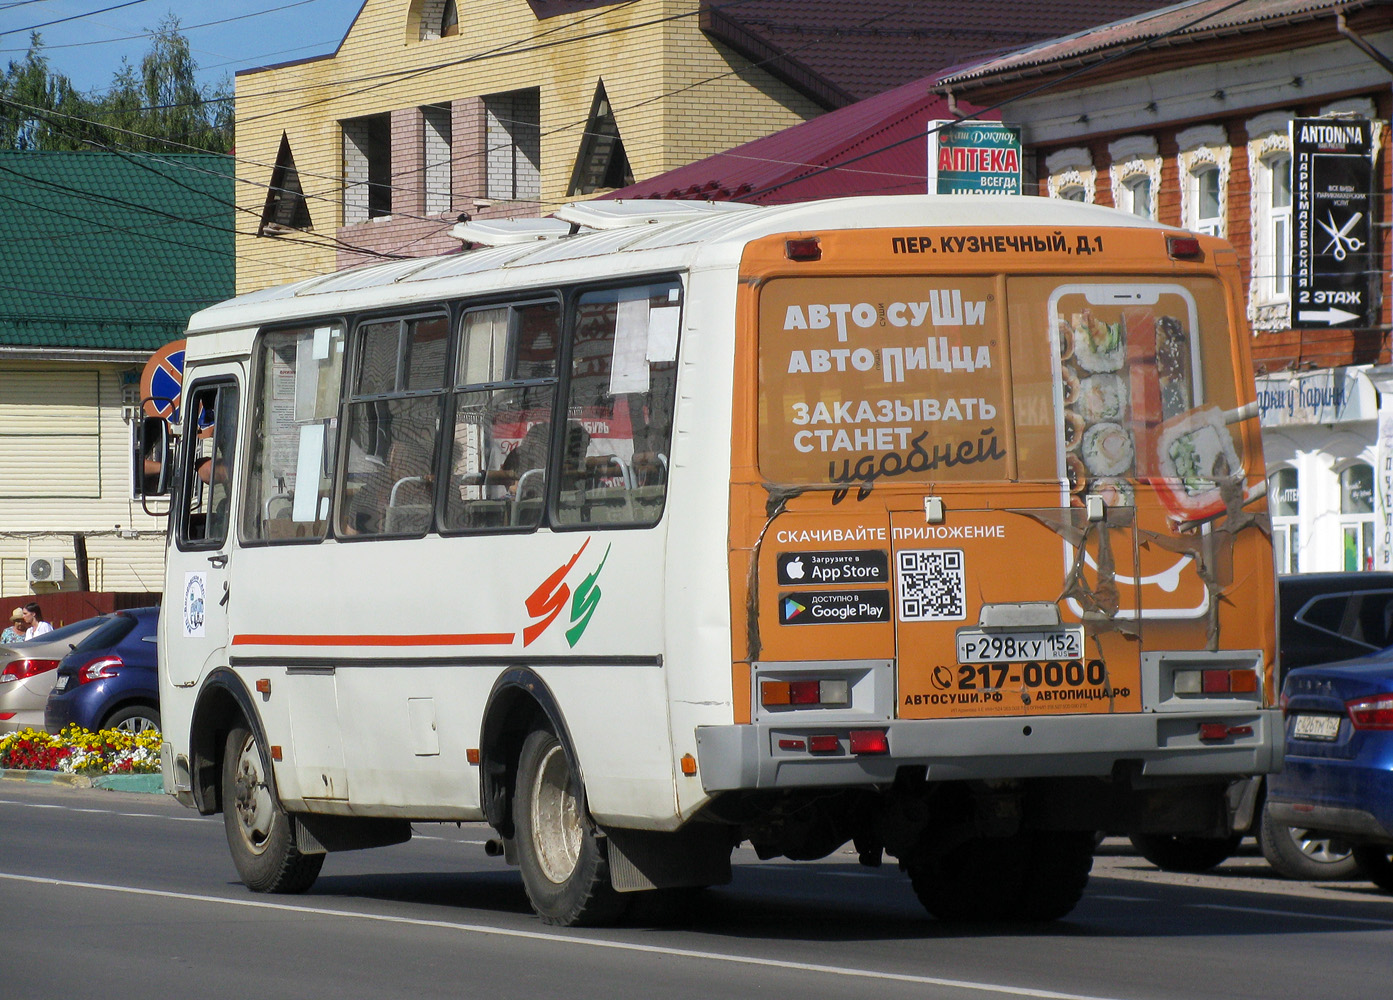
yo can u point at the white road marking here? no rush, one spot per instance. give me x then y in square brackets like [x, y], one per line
[1288, 913]
[110, 812]
[706, 956]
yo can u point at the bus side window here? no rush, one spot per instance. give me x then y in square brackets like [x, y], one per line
[294, 406]
[622, 392]
[505, 391]
[210, 437]
[393, 422]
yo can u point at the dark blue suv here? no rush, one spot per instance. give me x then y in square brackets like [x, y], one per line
[109, 680]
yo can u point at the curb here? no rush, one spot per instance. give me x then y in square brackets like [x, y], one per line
[110, 782]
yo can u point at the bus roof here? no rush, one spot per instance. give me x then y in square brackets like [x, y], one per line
[648, 243]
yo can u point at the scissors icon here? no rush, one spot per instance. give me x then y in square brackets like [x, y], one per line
[1339, 240]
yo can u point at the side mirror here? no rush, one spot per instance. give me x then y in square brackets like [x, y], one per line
[153, 457]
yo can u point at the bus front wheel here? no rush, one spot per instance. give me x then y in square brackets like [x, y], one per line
[259, 833]
[565, 867]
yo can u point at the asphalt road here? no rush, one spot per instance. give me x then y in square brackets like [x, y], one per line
[132, 895]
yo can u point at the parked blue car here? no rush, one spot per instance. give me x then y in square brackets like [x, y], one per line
[109, 680]
[1338, 776]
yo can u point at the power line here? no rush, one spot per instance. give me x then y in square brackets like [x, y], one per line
[71, 17]
[183, 29]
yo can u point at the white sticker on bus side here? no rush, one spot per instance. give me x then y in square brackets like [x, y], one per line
[195, 594]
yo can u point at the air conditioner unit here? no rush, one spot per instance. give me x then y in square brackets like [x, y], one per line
[46, 569]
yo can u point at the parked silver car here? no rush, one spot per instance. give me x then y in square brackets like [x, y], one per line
[27, 670]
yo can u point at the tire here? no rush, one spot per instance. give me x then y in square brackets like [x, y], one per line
[564, 861]
[134, 719]
[1035, 876]
[1375, 864]
[259, 833]
[1179, 853]
[1295, 853]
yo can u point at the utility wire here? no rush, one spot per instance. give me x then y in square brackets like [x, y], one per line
[72, 17]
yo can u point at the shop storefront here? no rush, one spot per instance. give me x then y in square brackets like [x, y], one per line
[1320, 439]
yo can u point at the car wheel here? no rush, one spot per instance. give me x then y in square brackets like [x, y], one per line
[1376, 864]
[564, 862]
[1179, 853]
[259, 833]
[134, 719]
[1297, 853]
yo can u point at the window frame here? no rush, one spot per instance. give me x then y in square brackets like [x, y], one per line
[254, 391]
[348, 397]
[188, 461]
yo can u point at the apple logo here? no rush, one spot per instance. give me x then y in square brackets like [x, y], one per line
[794, 569]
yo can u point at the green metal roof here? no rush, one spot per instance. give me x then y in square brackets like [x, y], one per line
[111, 251]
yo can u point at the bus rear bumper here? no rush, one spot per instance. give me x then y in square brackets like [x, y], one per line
[768, 755]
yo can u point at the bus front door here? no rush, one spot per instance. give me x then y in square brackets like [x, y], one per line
[196, 599]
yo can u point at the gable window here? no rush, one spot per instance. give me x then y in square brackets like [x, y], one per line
[513, 140]
[367, 168]
[285, 207]
[1204, 171]
[601, 163]
[439, 19]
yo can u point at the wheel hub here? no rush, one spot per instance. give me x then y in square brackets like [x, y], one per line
[556, 821]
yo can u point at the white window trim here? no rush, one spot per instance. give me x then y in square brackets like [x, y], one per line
[1268, 135]
[1135, 156]
[1201, 148]
[1072, 167]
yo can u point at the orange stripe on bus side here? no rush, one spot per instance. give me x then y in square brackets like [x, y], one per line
[466, 639]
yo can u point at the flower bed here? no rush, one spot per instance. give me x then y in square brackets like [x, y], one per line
[78, 751]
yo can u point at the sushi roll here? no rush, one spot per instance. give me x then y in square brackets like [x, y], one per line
[1070, 383]
[1074, 426]
[1103, 397]
[1107, 449]
[1115, 492]
[1098, 346]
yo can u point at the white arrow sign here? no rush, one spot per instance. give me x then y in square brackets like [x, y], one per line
[1328, 316]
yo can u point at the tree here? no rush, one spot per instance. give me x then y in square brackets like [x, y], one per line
[163, 103]
[158, 107]
[29, 91]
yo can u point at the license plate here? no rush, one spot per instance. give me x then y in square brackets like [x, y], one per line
[62, 683]
[1317, 727]
[1015, 646]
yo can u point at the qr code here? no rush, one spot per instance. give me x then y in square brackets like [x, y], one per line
[932, 587]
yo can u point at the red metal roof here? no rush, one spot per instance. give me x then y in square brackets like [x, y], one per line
[1181, 24]
[875, 146]
[868, 46]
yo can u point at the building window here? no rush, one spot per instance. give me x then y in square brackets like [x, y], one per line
[1207, 217]
[1357, 516]
[1071, 175]
[1204, 167]
[601, 163]
[436, 149]
[285, 208]
[1269, 171]
[439, 19]
[1135, 174]
[1285, 509]
[513, 141]
[367, 168]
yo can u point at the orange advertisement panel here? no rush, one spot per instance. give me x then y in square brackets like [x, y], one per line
[882, 379]
[1091, 455]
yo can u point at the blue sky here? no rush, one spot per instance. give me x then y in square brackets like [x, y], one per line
[88, 49]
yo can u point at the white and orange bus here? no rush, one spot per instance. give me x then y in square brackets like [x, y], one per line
[935, 525]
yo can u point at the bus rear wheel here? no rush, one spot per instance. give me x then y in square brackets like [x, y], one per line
[565, 867]
[259, 833]
[1034, 876]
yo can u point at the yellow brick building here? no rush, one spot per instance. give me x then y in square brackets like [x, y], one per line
[493, 107]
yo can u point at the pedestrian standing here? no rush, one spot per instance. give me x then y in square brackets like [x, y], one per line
[15, 631]
[34, 621]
